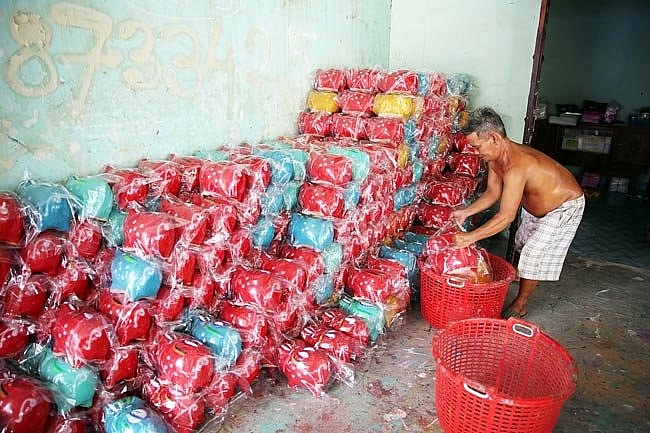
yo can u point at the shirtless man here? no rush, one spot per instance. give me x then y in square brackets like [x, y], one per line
[551, 198]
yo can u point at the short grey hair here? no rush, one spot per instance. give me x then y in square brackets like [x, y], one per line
[484, 119]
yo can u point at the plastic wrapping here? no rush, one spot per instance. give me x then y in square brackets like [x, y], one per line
[331, 168]
[190, 168]
[317, 233]
[434, 215]
[305, 366]
[120, 371]
[322, 200]
[330, 79]
[356, 103]
[468, 164]
[458, 84]
[94, 196]
[26, 299]
[130, 186]
[25, 405]
[132, 415]
[71, 387]
[185, 413]
[370, 313]
[85, 240]
[164, 177]
[44, 253]
[52, 202]
[150, 233]
[387, 130]
[281, 164]
[182, 362]
[364, 80]
[470, 263]
[445, 193]
[12, 223]
[224, 340]
[224, 178]
[71, 282]
[14, 337]
[136, 277]
[258, 287]
[81, 335]
[400, 81]
[360, 160]
[323, 102]
[394, 105]
[348, 126]
[132, 319]
[316, 123]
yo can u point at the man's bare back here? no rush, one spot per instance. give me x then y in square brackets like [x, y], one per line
[547, 183]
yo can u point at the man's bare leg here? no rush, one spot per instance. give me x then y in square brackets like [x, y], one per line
[526, 288]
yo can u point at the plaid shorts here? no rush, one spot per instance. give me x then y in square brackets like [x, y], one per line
[544, 242]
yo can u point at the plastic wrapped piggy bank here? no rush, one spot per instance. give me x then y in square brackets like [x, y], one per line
[52, 204]
[224, 341]
[25, 406]
[184, 362]
[73, 386]
[12, 227]
[305, 366]
[132, 415]
[136, 277]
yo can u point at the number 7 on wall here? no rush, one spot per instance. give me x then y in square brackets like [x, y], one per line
[100, 25]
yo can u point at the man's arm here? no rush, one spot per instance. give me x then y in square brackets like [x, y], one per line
[513, 188]
[485, 201]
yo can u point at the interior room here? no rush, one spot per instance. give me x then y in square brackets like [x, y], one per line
[235, 216]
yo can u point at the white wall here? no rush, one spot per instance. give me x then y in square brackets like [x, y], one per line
[491, 40]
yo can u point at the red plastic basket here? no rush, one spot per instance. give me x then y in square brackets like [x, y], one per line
[500, 376]
[445, 298]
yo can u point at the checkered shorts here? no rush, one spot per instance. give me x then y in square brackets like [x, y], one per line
[544, 242]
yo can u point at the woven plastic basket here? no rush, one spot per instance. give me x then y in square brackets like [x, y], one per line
[500, 376]
[444, 298]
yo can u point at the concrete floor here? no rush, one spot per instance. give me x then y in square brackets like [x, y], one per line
[599, 311]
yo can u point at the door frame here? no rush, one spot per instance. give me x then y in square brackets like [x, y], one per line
[529, 122]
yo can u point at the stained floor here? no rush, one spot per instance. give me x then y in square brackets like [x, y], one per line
[598, 311]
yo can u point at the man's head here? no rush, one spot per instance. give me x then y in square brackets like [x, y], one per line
[485, 132]
[484, 119]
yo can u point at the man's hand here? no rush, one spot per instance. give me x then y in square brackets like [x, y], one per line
[462, 240]
[459, 216]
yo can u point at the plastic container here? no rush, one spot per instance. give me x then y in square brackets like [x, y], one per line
[497, 376]
[446, 298]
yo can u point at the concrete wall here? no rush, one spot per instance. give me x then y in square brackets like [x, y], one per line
[491, 40]
[598, 50]
[90, 82]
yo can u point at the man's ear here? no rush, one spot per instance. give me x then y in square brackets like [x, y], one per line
[495, 137]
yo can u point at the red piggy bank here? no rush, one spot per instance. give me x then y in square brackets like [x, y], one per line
[184, 362]
[81, 335]
[25, 406]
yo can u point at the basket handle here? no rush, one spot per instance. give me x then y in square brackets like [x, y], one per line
[522, 329]
[474, 392]
[459, 283]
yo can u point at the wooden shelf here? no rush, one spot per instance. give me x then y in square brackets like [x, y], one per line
[628, 154]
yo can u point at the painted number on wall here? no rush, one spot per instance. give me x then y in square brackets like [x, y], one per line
[141, 71]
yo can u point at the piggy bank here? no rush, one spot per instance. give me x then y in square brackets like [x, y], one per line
[132, 415]
[224, 341]
[138, 278]
[25, 406]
